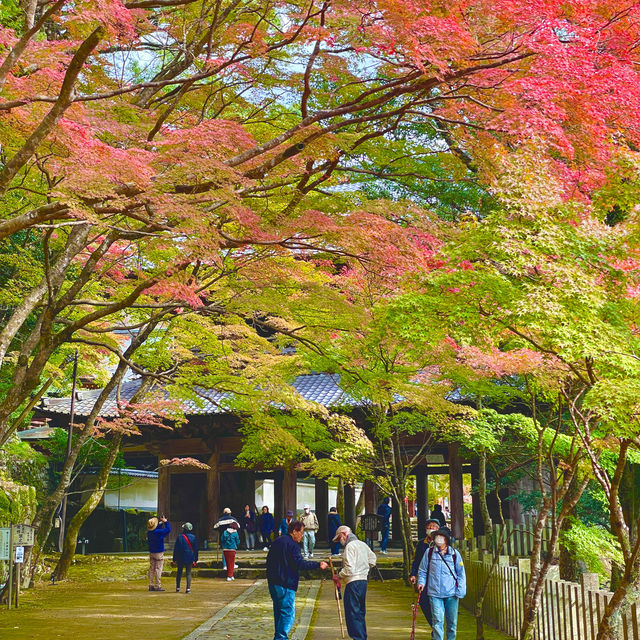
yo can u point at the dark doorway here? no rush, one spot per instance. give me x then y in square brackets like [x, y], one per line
[236, 490]
[189, 501]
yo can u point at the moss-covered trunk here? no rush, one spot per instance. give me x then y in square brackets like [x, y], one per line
[73, 529]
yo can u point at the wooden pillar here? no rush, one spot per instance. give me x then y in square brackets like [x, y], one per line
[370, 497]
[350, 506]
[422, 499]
[164, 490]
[456, 492]
[396, 522]
[289, 491]
[278, 509]
[213, 493]
[476, 511]
[322, 508]
[249, 490]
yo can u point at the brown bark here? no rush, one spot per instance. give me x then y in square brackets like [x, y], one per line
[73, 529]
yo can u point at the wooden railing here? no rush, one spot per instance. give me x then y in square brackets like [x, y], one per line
[568, 611]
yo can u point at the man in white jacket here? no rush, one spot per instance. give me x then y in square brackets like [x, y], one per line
[357, 559]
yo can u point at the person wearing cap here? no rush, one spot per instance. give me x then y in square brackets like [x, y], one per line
[284, 524]
[230, 541]
[384, 510]
[185, 555]
[333, 522]
[431, 527]
[357, 559]
[156, 533]
[442, 579]
[310, 521]
[284, 563]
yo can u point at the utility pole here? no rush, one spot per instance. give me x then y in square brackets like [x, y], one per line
[63, 513]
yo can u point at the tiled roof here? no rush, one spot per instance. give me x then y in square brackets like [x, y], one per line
[323, 388]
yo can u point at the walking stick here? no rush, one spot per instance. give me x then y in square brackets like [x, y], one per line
[415, 607]
[338, 595]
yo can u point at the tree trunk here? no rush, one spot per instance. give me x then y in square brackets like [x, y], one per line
[625, 595]
[73, 529]
[569, 567]
[340, 499]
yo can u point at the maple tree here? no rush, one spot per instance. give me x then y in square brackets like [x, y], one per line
[546, 293]
[218, 158]
[171, 132]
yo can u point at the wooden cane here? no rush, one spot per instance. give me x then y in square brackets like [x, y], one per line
[338, 595]
[415, 614]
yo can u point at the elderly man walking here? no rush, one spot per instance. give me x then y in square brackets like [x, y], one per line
[357, 559]
[284, 563]
[441, 578]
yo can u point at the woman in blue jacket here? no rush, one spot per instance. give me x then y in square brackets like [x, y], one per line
[185, 554]
[442, 579]
[267, 526]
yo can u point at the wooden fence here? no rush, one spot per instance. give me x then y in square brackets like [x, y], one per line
[518, 538]
[568, 611]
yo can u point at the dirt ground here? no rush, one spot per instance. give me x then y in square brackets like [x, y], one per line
[110, 601]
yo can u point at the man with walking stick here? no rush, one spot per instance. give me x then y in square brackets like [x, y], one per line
[357, 559]
[284, 562]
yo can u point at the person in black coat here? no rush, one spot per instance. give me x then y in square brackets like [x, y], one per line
[436, 514]
[422, 547]
[185, 554]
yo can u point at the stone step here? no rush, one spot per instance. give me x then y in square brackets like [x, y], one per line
[253, 573]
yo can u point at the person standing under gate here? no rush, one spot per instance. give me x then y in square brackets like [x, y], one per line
[185, 555]
[284, 563]
[384, 510]
[267, 527]
[333, 522]
[357, 559]
[310, 522]
[248, 525]
[442, 579]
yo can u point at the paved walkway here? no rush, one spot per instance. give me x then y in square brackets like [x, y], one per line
[250, 615]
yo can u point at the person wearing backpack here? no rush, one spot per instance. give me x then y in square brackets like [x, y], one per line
[185, 555]
[422, 547]
[442, 579]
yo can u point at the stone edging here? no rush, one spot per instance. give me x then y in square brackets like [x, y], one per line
[302, 629]
[208, 624]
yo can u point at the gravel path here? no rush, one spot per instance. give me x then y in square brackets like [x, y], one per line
[250, 615]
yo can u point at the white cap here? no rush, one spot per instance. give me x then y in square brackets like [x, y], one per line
[306, 506]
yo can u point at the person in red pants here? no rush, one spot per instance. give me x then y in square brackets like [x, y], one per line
[230, 541]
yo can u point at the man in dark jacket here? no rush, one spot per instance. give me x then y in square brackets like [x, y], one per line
[185, 554]
[384, 510]
[333, 523]
[284, 563]
[155, 538]
[423, 545]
